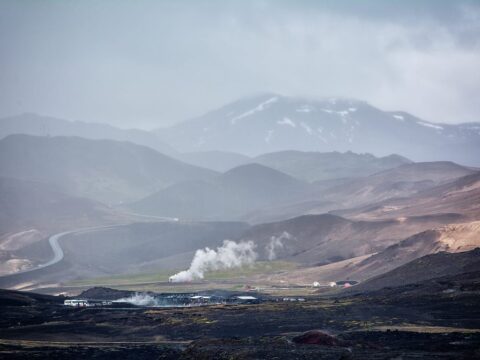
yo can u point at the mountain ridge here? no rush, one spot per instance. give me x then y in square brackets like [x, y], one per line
[39, 125]
[106, 170]
[271, 122]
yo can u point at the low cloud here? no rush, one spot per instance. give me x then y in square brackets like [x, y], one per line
[422, 58]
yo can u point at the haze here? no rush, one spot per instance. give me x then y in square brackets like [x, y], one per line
[230, 179]
[149, 64]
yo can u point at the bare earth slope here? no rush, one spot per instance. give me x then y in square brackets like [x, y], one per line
[461, 196]
[424, 268]
[453, 238]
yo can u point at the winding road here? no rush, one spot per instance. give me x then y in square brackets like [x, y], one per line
[57, 249]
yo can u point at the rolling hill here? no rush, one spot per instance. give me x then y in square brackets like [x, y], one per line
[432, 266]
[37, 125]
[452, 238]
[31, 211]
[105, 170]
[226, 197]
[321, 239]
[220, 161]
[337, 196]
[43, 207]
[461, 197]
[315, 166]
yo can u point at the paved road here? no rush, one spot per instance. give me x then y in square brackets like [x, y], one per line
[57, 249]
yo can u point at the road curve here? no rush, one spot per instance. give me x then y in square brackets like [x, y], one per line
[56, 248]
[58, 252]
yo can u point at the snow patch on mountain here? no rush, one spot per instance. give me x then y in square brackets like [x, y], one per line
[433, 126]
[305, 109]
[269, 136]
[262, 106]
[399, 117]
[307, 128]
[287, 121]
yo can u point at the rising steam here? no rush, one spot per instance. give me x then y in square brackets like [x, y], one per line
[140, 299]
[229, 255]
[276, 243]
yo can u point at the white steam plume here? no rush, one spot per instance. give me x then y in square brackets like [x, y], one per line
[229, 255]
[140, 299]
[276, 244]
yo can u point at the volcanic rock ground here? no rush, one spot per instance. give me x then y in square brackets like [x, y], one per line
[434, 319]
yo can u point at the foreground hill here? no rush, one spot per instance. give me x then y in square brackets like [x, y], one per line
[271, 122]
[37, 125]
[321, 239]
[105, 170]
[428, 267]
[228, 196]
[453, 238]
[426, 323]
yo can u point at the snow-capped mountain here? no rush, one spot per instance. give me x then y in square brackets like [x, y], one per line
[272, 122]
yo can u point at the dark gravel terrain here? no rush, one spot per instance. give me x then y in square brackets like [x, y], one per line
[439, 319]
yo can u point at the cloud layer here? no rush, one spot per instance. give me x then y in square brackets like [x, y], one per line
[151, 63]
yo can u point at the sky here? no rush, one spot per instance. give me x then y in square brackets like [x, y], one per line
[150, 64]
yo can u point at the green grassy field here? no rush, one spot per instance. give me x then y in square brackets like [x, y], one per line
[260, 267]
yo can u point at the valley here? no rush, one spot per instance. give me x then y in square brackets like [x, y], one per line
[336, 254]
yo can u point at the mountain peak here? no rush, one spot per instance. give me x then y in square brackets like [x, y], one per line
[270, 122]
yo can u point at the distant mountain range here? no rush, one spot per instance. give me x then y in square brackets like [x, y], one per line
[33, 124]
[44, 208]
[308, 166]
[271, 122]
[315, 166]
[105, 170]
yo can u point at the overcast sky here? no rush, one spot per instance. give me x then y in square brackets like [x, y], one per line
[152, 63]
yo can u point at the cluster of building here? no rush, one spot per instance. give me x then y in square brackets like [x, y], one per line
[86, 303]
[344, 284]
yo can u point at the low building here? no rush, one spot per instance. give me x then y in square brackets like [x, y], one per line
[86, 303]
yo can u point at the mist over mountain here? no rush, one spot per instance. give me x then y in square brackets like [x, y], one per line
[44, 208]
[316, 166]
[458, 197]
[240, 179]
[220, 161]
[272, 122]
[105, 170]
[337, 196]
[227, 196]
[33, 124]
